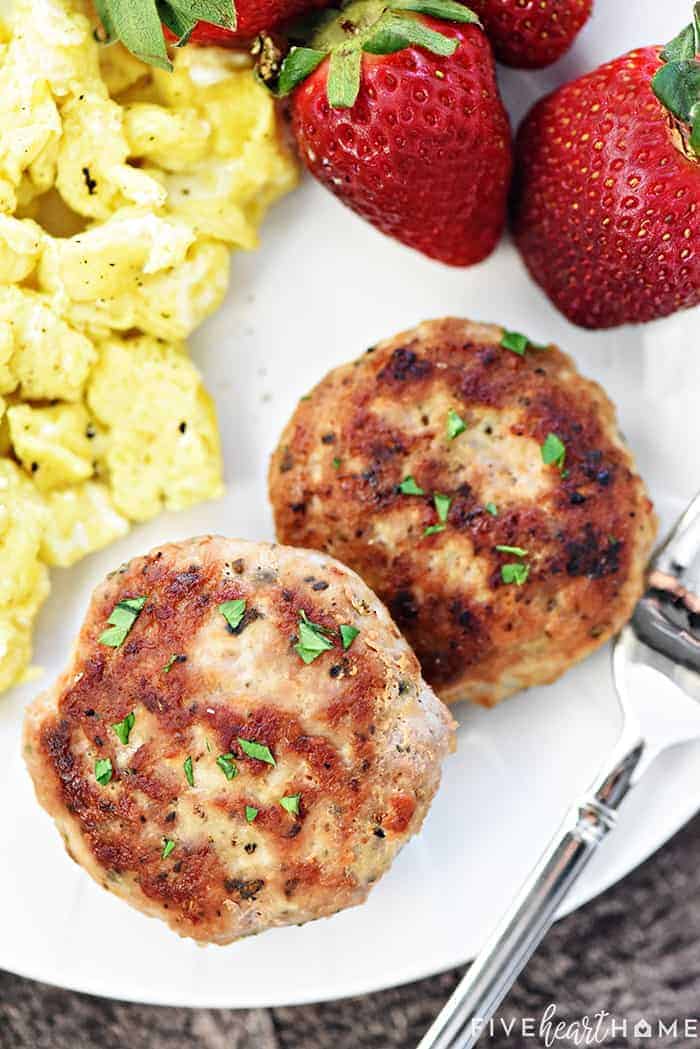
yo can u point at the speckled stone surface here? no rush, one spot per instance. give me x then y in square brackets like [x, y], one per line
[634, 951]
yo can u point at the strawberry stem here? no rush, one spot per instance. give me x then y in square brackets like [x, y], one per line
[374, 27]
[677, 82]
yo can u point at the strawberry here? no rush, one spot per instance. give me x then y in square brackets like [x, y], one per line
[398, 113]
[607, 201]
[531, 34]
[144, 26]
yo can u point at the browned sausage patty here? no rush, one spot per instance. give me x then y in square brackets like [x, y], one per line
[422, 462]
[249, 748]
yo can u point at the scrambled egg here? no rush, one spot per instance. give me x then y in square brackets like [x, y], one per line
[123, 189]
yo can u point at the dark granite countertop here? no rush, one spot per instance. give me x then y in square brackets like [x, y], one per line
[635, 951]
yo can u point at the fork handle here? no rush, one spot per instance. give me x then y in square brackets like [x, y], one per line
[473, 1003]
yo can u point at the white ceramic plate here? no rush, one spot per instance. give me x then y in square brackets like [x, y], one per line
[322, 288]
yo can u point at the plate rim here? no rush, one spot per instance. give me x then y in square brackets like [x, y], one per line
[411, 972]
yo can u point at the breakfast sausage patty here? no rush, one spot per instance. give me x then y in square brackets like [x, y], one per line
[242, 738]
[483, 491]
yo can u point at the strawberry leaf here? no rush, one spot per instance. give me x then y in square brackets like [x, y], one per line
[677, 82]
[450, 10]
[677, 86]
[109, 34]
[686, 45]
[139, 28]
[410, 31]
[386, 41]
[695, 132]
[418, 34]
[139, 23]
[344, 77]
[178, 24]
[218, 12]
[681, 47]
[297, 66]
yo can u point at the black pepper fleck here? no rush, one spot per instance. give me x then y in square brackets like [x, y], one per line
[90, 182]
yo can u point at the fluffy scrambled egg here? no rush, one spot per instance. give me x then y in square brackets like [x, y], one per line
[123, 189]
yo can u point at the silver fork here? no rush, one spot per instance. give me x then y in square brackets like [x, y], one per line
[656, 666]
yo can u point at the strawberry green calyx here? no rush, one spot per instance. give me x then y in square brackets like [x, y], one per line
[370, 27]
[677, 83]
[138, 24]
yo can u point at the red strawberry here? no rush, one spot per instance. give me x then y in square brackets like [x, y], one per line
[400, 117]
[607, 202]
[530, 34]
[144, 25]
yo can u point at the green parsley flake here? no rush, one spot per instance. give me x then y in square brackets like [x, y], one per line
[250, 813]
[455, 425]
[172, 661]
[313, 640]
[168, 846]
[123, 728]
[409, 487]
[122, 618]
[233, 612]
[336, 463]
[227, 765]
[103, 771]
[291, 803]
[492, 509]
[433, 529]
[256, 750]
[442, 505]
[515, 573]
[513, 340]
[348, 635]
[189, 771]
[516, 550]
[553, 451]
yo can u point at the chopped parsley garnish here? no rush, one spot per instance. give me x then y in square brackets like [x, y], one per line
[455, 425]
[189, 771]
[518, 343]
[123, 728]
[256, 750]
[168, 846]
[250, 813]
[492, 509]
[515, 573]
[122, 618]
[442, 505]
[313, 640]
[233, 612]
[227, 765]
[516, 550]
[291, 803]
[513, 340]
[103, 771]
[336, 463]
[175, 658]
[434, 529]
[409, 487]
[348, 635]
[553, 451]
